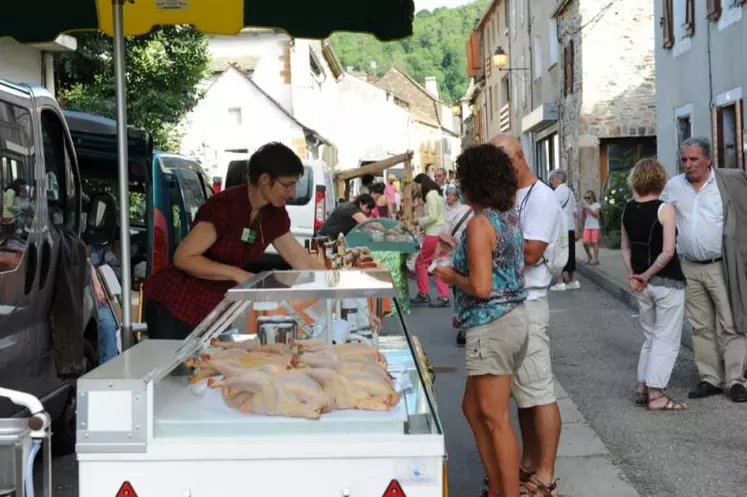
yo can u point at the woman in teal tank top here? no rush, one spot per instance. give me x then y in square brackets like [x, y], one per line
[488, 273]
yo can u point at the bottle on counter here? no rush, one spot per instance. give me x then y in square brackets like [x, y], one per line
[341, 244]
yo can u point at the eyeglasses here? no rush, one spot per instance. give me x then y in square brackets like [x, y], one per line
[289, 187]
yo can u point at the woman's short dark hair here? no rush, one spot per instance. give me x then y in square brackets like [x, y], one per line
[378, 188]
[486, 177]
[427, 184]
[276, 160]
[366, 199]
[367, 179]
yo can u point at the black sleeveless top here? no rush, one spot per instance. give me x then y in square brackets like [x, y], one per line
[646, 235]
[340, 220]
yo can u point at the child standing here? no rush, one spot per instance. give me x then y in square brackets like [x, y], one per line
[592, 226]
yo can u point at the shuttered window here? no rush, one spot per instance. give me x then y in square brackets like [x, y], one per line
[690, 17]
[713, 9]
[568, 68]
[667, 24]
[727, 128]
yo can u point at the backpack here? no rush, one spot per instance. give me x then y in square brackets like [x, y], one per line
[556, 257]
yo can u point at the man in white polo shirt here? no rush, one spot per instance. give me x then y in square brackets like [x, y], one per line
[540, 216]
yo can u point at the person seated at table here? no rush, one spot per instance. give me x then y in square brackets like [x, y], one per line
[348, 215]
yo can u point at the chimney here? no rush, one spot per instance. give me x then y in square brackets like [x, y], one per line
[431, 85]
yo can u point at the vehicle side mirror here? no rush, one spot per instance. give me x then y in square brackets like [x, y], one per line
[101, 221]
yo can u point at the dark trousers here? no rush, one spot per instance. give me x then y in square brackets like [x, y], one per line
[570, 267]
[163, 325]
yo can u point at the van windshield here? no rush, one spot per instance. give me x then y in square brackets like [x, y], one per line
[303, 188]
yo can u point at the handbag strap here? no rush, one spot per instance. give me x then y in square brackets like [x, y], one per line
[461, 221]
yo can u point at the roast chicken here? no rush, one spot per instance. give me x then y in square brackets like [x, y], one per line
[303, 380]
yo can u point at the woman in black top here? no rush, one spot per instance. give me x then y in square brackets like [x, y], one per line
[649, 233]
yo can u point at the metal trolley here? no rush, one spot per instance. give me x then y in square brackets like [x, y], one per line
[21, 439]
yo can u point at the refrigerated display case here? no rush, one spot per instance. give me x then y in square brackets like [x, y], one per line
[147, 421]
[396, 238]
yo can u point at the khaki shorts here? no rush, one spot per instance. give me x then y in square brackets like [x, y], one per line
[497, 348]
[533, 383]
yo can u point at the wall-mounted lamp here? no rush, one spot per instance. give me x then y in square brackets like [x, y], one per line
[500, 61]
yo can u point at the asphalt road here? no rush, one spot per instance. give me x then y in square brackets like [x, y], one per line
[595, 341]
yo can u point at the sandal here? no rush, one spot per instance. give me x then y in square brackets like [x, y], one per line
[525, 475]
[535, 488]
[669, 405]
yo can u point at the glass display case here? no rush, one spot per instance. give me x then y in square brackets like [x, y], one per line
[164, 391]
[383, 235]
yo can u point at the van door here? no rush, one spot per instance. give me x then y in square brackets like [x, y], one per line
[26, 361]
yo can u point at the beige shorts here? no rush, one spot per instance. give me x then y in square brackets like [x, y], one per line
[533, 383]
[497, 348]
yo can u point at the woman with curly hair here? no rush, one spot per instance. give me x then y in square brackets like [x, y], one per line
[431, 223]
[648, 234]
[489, 279]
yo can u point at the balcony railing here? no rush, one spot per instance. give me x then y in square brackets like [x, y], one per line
[504, 117]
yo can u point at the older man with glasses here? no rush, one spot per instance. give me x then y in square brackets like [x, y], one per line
[710, 205]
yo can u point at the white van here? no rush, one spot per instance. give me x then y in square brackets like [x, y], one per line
[314, 200]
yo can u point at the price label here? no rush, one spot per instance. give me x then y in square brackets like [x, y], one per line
[172, 4]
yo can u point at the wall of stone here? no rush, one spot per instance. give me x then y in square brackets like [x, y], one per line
[618, 64]
[613, 92]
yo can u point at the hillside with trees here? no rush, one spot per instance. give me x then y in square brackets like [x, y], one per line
[437, 48]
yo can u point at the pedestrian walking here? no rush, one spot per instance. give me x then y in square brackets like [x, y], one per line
[592, 226]
[540, 217]
[431, 223]
[452, 232]
[713, 261]
[488, 276]
[566, 280]
[649, 235]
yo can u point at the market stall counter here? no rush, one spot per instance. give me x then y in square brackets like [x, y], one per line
[256, 403]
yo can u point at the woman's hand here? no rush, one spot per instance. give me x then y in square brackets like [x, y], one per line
[241, 276]
[446, 273]
[637, 282]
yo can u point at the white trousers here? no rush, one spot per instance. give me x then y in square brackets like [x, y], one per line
[662, 311]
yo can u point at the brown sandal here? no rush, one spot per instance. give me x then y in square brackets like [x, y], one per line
[524, 475]
[669, 405]
[535, 488]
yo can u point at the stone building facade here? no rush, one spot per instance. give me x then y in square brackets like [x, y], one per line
[608, 99]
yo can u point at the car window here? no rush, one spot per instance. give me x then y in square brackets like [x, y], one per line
[304, 188]
[177, 210]
[17, 185]
[59, 178]
[92, 186]
[192, 192]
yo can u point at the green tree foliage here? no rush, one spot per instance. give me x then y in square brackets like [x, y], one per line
[436, 48]
[164, 72]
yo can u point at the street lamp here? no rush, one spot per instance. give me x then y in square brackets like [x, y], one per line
[500, 61]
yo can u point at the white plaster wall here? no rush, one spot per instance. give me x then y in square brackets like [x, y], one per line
[20, 63]
[368, 127]
[268, 47]
[209, 129]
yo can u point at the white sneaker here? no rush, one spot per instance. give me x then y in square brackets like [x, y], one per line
[559, 287]
[573, 285]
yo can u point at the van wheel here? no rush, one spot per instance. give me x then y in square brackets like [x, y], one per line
[63, 429]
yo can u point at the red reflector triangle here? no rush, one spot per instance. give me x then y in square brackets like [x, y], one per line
[126, 490]
[394, 490]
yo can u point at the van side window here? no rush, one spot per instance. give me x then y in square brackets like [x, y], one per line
[60, 182]
[17, 183]
[194, 195]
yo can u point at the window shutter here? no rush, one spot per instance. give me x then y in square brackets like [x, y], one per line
[568, 68]
[739, 125]
[666, 24]
[690, 17]
[715, 137]
[714, 9]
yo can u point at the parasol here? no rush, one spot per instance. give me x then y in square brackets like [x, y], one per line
[36, 21]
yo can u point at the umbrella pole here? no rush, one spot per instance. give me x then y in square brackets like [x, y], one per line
[123, 163]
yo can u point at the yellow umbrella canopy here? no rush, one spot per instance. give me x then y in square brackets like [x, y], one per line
[33, 21]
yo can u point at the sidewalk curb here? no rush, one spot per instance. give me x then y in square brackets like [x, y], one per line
[612, 286]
